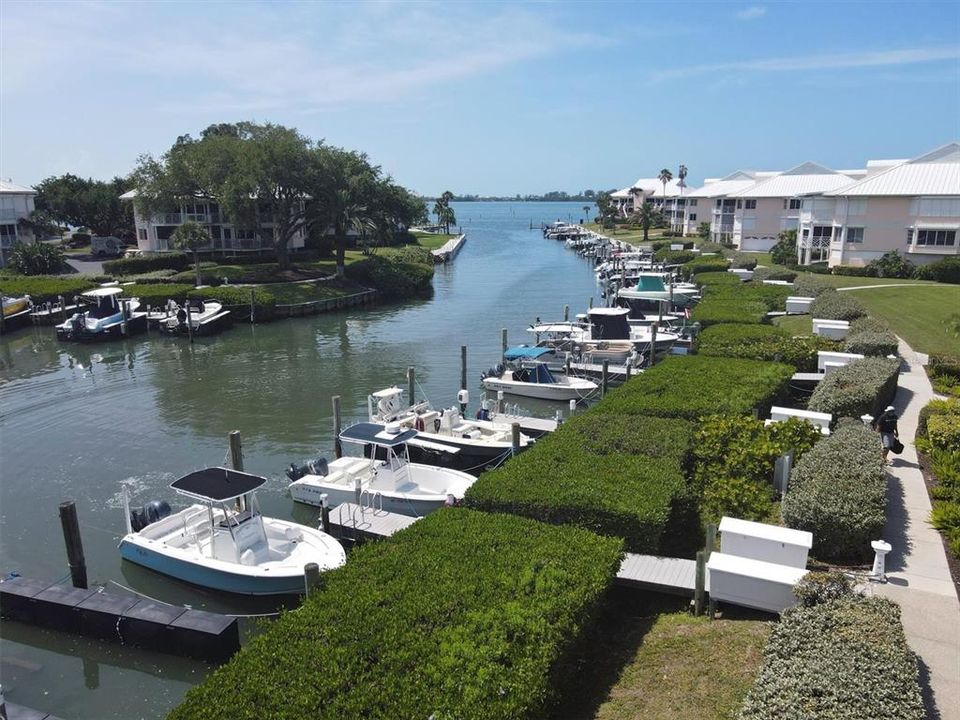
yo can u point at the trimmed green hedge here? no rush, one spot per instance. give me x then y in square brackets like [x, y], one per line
[395, 277]
[763, 342]
[615, 475]
[774, 273]
[695, 385]
[862, 387]
[871, 343]
[945, 271]
[702, 265]
[715, 278]
[45, 288]
[837, 306]
[148, 263]
[811, 286]
[838, 492]
[737, 302]
[845, 659]
[462, 615]
[742, 260]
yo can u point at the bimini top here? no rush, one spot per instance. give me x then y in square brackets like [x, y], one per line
[103, 292]
[376, 434]
[217, 484]
[522, 352]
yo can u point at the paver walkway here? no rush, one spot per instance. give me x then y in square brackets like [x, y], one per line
[919, 578]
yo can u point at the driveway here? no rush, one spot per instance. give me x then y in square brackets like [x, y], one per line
[87, 264]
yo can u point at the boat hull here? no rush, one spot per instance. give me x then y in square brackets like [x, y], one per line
[310, 495]
[135, 325]
[542, 391]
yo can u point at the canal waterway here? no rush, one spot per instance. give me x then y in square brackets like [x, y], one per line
[76, 422]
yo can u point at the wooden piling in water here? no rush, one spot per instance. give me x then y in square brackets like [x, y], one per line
[311, 578]
[236, 451]
[463, 374]
[653, 344]
[324, 513]
[503, 342]
[411, 384]
[71, 537]
[515, 437]
[337, 445]
[252, 306]
[566, 313]
[605, 378]
[189, 322]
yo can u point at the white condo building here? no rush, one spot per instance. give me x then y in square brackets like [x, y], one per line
[713, 202]
[16, 202]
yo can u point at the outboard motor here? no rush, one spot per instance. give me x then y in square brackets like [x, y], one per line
[149, 514]
[311, 467]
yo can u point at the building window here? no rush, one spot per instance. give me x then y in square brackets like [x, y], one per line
[935, 207]
[792, 204]
[165, 232]
[141, 233]
[855, 235]
[750, 204]
[692, 202]
[931, 238]
[693, 217]
[719, 202]
[739, 204]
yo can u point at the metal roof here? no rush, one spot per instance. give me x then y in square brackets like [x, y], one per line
[652, 187]
[8, 187]
[934, 173]
[734, 182]
[217, 484]
[804, 179]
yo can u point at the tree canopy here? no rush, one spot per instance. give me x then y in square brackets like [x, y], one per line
[94, 204]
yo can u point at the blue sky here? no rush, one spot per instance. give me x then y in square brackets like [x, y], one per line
[487, 97]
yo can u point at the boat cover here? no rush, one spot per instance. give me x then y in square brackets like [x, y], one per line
[540, 373]
[376, 434]
[217, 484]
[522, 352]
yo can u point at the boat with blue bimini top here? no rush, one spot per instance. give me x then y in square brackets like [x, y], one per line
[534, 379]
[384, 478]
[105, 315]
[222, 541]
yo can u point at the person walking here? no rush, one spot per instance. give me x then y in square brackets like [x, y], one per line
[886, 425]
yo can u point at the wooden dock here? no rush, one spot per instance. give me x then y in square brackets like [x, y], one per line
[663, 574]
[349, 521]
[807, 377]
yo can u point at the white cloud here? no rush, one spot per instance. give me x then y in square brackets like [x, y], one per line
[752, 13]
[881, 58]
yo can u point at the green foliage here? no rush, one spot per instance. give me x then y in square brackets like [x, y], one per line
[945, 271]
[36, 258]
[763, 342]
[703, 231]
[745, 261]
[737, 302]
[774, 273]
[938, 436]
[734, 457]
[838, 492]
[615, 475]
[42, 289]
[862, 387]
[853, 270]
[707, 264]
[394, 277]
[816, 588]
[462, 615]
[716, 278]
[943, 432]
[950, 406]
[673, 257]
[891, 265]
[147, 263]
[71, 200]
[871, 343]
[811, 286]
[944, 371]
[785, 250]
[696, 385]
[833, 305]
[825, 662]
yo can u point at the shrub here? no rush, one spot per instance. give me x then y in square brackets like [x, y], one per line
[823, 663]
[716, 310]
[838, 492]
[785, 250]
[36, 258]
[572, 477]
[763, 342]
[673, 257]
[705, 246]
[853, 270]
[774, 273]
[816, 588]
[891, 265]
[811, 286]
[945, 271]
[394, 277]
[742, 260]
[156, 295]
[462, 615]
[705, 265]
[867, 324]
[837, 306]
[862, 387]
[871, 343]
[944, 372]
[45, 288]
[148, 263]
[943, 432]
[949, 407]
[718, 278]
[695, 385]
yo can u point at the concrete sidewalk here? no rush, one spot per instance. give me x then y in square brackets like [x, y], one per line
[919, 578]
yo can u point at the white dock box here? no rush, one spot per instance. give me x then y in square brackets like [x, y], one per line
[752, 583]
[742, 273]
[799, 304]
[821, 420]
[834, 360]
[767, 543]
[833, 329]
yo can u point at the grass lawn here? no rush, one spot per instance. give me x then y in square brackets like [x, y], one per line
[630, 236]
[796, 324]
[431, 241]
[293, 293]
[688, 668]
[917, 314]
[852, 281]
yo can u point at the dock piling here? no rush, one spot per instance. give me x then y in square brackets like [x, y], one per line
[590, 303]
[653, 344]
[124, 315]
[711, 539]
[463, 374]
[71, 536]
[566, 313]
[324, 513]
[515, 437]
[189, 321]
[605, 378]
[63, 308]
[503, 342]
[699, 584]
[253, 315]
[311, 578]
[411, 384]
[337, 446]
[236, 451]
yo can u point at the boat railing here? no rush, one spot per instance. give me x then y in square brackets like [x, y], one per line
[190, 516]
[371, 500]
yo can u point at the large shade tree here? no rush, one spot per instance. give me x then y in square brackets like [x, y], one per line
[94, 204]
[192, 237]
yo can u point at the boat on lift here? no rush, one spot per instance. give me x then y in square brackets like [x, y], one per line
[534, 379]
[101, 317]
[384, 478]
[215, 545]
[481, 443]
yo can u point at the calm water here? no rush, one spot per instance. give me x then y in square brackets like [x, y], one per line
[76, 422]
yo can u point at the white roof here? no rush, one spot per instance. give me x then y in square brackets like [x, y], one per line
[6, 186]
[624, 193]
[934, 173]
[103, 292]
[766, 532]
[652, 187]
[804, 179]
[734, 182]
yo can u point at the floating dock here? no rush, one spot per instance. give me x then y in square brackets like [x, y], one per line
[120, 618]
[349, 521]
[447, 251]
[675, 576]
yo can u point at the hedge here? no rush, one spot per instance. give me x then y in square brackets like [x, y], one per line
[745, 261]
[774, 273]
[45, 288]
[703, 265]
[696, 385]
[945, 271]
[763, 342]
[395, 277]
[844, 659]
[614, 475]
[673, 257]
[148, 263]
[737, 302]
[950, 406]
[715, 278]
[938, 438]
[837, 306]
[863, 387]
[944, 371]
[811, 286]
[462, 615]
[871, 343]
[838, 492]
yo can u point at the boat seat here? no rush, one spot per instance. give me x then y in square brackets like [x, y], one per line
[237, 519]
[357, 466]
[407, 487]
[336, 478]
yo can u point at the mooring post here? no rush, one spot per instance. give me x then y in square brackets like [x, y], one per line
[71, 536]
[629, 370]
[503, 343]
[63, 308]
[311, 578]
[590, 303]
[463, 374]
[711, 539]
[515, 437]
[670, 302]
[324, 513]
[253, 315]
[700, 583]
[337, 445]
[124, 310]
[566, 313]
[189, 322]
[653, 344]
[236, 451]
[566, 367]
[411, 385]
[604, 378]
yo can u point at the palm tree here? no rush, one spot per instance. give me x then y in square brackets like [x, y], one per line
[682, 174]
[191, 236]
[646, 215]
[665, 176]
[438, 209]
[586, 212]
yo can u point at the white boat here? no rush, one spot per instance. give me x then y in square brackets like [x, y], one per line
[16, 312]
[608, 330]
[204, 316]
[14, 305]
[660, 288]
[386, 478]
[535, 380]
[103, 317]
[212, 544]
[481, 443]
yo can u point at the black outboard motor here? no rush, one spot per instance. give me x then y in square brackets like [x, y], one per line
[312, 467]
[149, 514]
